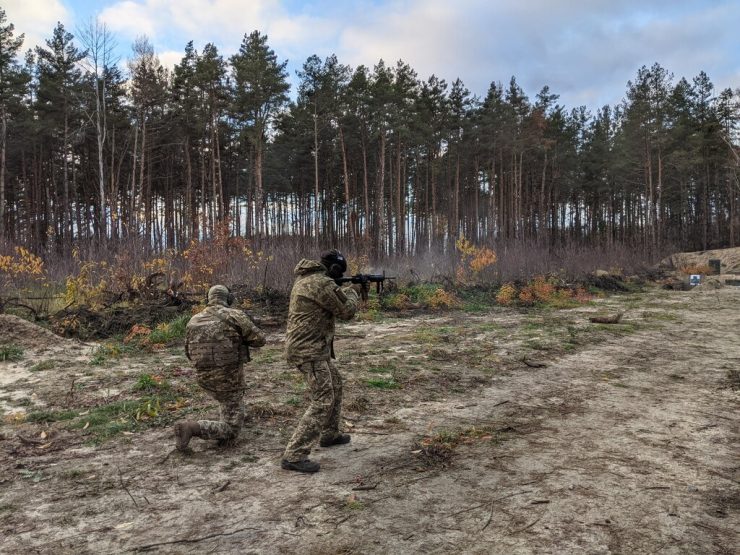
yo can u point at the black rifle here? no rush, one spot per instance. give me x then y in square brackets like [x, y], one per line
[365, 280]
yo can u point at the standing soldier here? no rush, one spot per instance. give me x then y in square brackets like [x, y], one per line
[217, 341]
[315, 302]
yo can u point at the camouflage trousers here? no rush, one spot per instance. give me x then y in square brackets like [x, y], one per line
[321, 419]
[232, 416]
[226, 385]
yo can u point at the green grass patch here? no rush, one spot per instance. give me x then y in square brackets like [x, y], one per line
[266, 356]
[428, 334]
[72, 474]
[489, 326]
[420, 293]
[33, 476]
[536, 345]
[107, 421]
[10, 352]
[167, 332]
[477, 300]
[51, 415]
[147, 382]
[564, 303]
[661, 316]
[44, 365]
[355, 504]
[111, 350]
[383, 383]
[617, 329]
[476, 306]
[389, 369]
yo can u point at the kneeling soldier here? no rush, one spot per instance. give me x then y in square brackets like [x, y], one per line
[216, 343]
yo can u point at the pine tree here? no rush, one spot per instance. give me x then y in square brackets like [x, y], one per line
[13, 82]
[261, 88]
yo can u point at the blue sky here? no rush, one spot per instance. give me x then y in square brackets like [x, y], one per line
[586, 51]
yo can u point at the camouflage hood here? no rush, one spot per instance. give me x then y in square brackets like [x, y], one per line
[218, 295]
[306, 267]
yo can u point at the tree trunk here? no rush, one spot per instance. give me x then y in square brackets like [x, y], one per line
[3, 144]
[258, 190]
[101, 131]
[347, 201]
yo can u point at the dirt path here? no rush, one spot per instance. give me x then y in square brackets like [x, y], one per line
[628, 445]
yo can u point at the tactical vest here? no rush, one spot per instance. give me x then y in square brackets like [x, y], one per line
[212, 340]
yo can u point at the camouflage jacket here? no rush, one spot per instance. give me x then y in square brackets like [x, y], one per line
[214, 344]
[315, 301]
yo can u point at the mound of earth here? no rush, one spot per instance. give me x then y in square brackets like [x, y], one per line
[710, 283]
[26, 334]
[87, 324]
[730, 260]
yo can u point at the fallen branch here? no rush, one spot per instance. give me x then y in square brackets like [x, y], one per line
[27, 441]
[491, 501]
[341, 520]
[222, 487]
[123, 485]
[366, 488]
[194, 540]
[606, 319]
[533, 364]
[528, 526]
[166, 457]
[490, 517]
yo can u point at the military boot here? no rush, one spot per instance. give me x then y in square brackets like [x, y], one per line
[341, 439]
[184, 431]
[301, 466]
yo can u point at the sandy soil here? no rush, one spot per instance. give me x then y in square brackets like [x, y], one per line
[502, 432]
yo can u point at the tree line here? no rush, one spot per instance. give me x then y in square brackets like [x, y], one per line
[92, 150]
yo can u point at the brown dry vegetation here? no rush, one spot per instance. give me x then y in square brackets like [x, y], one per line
[507, 430]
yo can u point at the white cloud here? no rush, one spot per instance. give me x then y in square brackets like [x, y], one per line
[585, 51]
[171, 23]
[170, 58]
[35, 18]
[130, 18]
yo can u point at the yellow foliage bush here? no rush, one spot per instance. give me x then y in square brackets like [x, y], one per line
[582, 296]
[507, 294]
[543, 291]
[695, 269]
[443, 299]
[473, 260]
[21, 268]
[527, 296]
[539, 290]
[209, 262]
[88, 286]
[399, 301]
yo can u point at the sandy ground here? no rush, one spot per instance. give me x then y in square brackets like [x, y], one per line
[507, 432]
